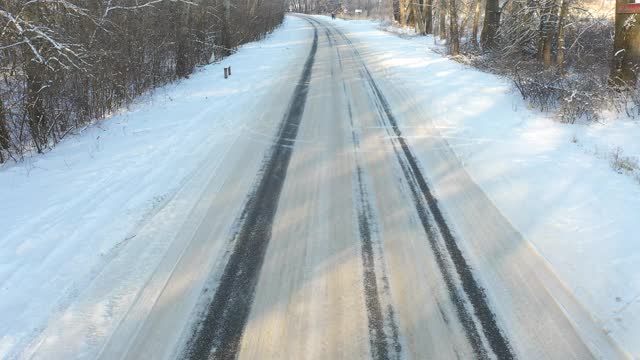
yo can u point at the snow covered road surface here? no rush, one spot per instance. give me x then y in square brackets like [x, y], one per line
[552, 181]
[315, 229]
[341, 250]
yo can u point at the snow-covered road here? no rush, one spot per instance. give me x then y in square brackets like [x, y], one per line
[341, 250]
[315, 229]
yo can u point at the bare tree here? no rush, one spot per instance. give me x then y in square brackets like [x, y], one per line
[428, 16]
[476, 23]
[454, 39]
[564, 10]
[491, 24]
[403, 12]
[626, 61]
[442, 22]
[548, 24]
[4, 132]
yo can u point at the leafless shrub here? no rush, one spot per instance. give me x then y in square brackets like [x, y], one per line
[627, 100]
[624, 164]
[540, 88]
[583, 97]
[573, 96]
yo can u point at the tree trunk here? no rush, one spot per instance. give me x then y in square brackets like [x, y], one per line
[626, 46]
[403, 13]
[4, 131]
[453, 28]
[416, 15]
[491, 24]
[34, 71]
[183, 68]
[442, 23]
[226, 42]
[546, 51]
[564, 10]
[396, 9]
[476, 23]
[547, 26]
[428, 16]
[35, 105]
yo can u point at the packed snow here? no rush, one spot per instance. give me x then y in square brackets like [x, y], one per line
[555, 182]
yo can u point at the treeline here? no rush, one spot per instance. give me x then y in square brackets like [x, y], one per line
[575, 56]
[544, 30]
[370, 8]
[578, 56]
[64, 63]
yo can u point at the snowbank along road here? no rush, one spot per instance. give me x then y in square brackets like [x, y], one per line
[330, 239]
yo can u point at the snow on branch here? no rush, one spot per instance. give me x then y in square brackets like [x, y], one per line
[29, 32]
[150, 3]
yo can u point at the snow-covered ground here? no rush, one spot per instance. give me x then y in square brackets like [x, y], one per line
[103, 207]
[553, 181]
[78, 234]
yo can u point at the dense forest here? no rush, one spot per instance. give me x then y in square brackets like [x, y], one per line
[574, 56]
[64, 63]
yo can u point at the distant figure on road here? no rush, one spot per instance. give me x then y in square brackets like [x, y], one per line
[333, 16]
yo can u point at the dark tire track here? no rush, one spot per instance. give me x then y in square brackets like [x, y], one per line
[382, 345]
[218, 335]
[421, 195]
[464, 316]
[421, 192]
[377, 336]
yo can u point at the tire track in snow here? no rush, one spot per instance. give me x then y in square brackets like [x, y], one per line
[421, 194]
[458, 300]
[474, 293]
[218, 335]
[384, 336]
[383, 344]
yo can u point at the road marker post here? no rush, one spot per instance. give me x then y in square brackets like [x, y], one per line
[629, 8]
